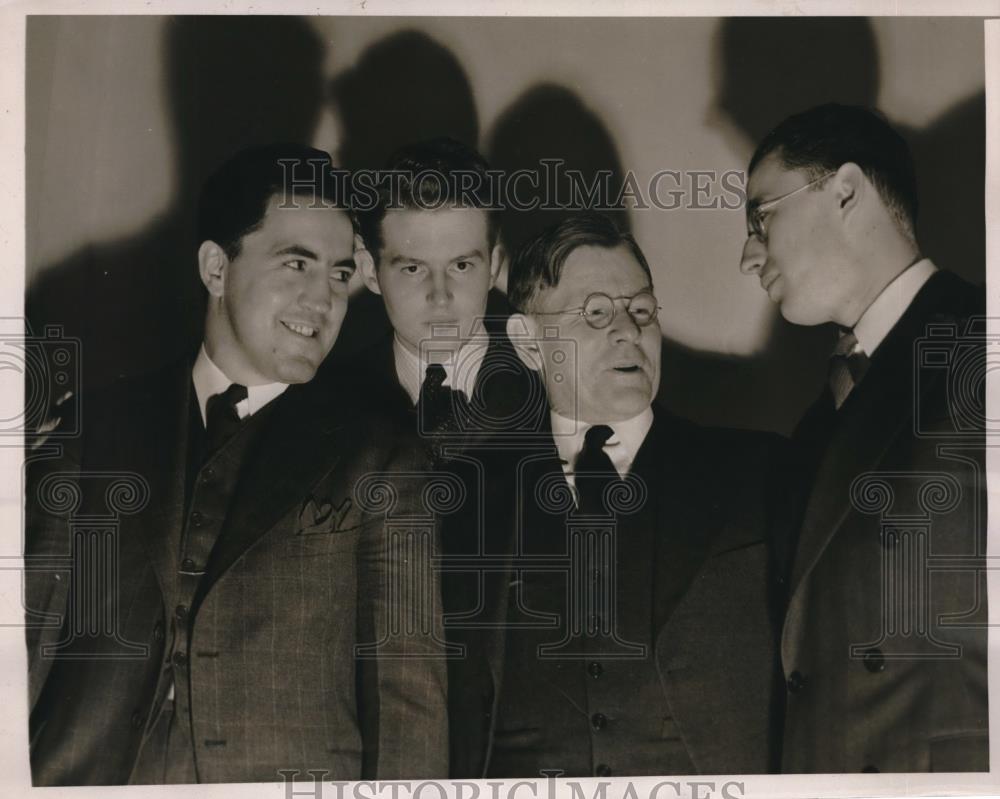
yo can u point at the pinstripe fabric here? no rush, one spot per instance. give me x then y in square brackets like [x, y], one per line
[274, 679]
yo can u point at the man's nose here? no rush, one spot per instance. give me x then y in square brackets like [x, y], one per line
[439, 291]
[623, 326]
[317, 294]
[754, 256]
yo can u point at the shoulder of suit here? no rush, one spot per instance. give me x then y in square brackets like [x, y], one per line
[720, 448]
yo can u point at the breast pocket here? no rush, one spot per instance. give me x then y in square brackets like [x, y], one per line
[314, 545]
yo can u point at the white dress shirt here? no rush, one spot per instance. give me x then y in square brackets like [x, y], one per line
[461, 369]
[209, 380]
[889, 306]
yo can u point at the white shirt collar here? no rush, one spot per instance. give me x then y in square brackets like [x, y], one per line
[460, 371]
[889, 306]
[621, 447]
[209, 380]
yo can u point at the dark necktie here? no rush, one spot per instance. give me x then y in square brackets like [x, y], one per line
[222, 420]
[848, 365]
[593, 471]
[437, 409]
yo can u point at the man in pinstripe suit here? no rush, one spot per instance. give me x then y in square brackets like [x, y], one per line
[241, 631]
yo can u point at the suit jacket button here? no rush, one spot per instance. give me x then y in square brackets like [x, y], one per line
[874, 660]
[181, 613]
[207, 474]
[796, 680]
[180, 659]
[188, 565]
[603, 770]
[870, 770]
[197, 519]
[137, 720]
[158, 631]
[599, 721]
[595, 670]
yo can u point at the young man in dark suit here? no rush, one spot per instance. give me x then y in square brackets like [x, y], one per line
[238, 628]
[883, 649]
[638, 635]
[432, 251]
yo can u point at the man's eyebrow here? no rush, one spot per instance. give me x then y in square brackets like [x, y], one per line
[400, 259]
[346, 262]
[468, 256]
[297, 249]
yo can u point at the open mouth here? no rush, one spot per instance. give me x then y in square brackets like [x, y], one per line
[301, 330]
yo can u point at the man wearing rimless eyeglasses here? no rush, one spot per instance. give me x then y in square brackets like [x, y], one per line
[880, 530]
[637, 638]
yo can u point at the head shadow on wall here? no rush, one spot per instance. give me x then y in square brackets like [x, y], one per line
[230, 83]
[549, 132]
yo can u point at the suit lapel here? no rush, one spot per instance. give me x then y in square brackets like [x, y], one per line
[299, 442]
[680, 511]
[874, 415]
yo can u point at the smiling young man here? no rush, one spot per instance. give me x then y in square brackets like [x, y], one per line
[638, 636]
[883, 527]
[248, 568]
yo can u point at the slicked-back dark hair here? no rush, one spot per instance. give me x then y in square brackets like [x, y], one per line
[539, 263]
[234, 199]
[427, 175]
[826, 137]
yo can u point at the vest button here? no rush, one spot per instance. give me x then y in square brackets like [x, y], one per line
[197, 519]
[181, 613]
[595, 670]
[603, 770]
[137, 720]
[158, 631]
[796, 680]
[874, 660]
[598, 721]
[180, 659]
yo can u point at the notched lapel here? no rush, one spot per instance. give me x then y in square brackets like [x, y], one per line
[297, 446]
[876, 413]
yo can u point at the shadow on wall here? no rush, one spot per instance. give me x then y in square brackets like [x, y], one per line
[550, 122]
[405, 88]
[805, 66]
[233, 82]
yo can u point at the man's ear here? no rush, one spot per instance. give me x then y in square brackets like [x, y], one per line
[523, 334]
[850, 185]
[497, 257]
[366, 266]
[212, 266]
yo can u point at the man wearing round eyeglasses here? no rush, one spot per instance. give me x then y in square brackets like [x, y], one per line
[638, 640]
[881, 527]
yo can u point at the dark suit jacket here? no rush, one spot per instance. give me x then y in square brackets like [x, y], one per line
[884, 643]
[712, 624]
[275, 681]
[504, 416]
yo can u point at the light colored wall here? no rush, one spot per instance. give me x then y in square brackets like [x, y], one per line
[103, 161]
